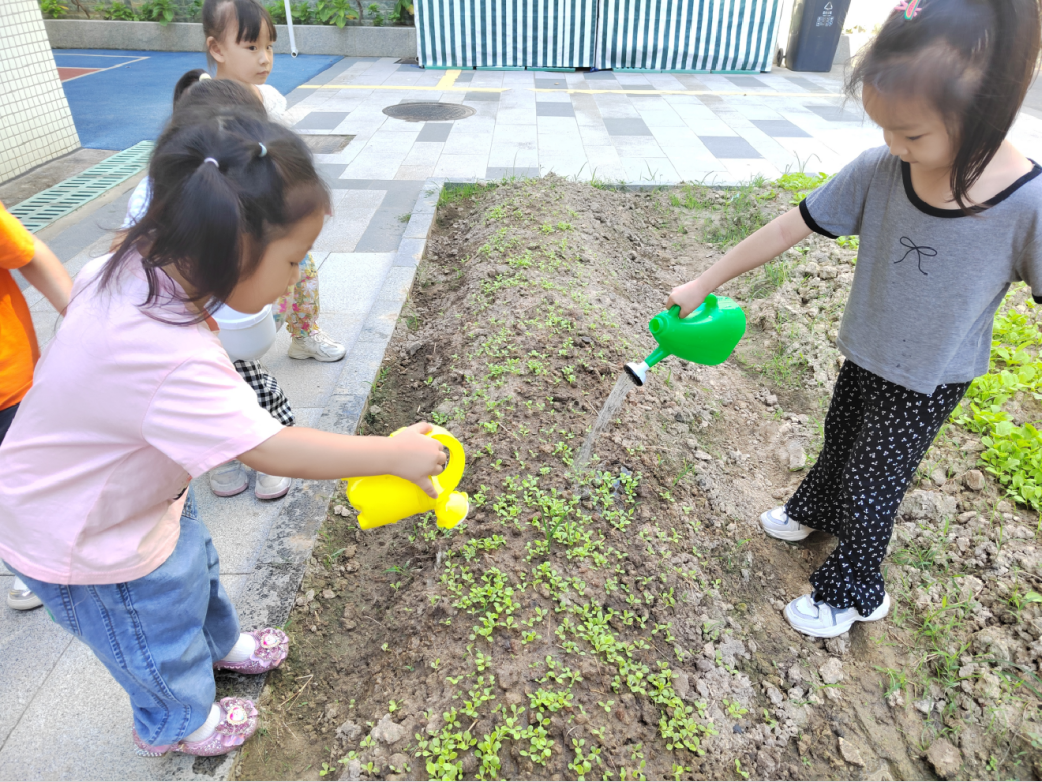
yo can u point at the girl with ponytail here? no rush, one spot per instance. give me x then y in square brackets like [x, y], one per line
[135, 395]
[950, 214]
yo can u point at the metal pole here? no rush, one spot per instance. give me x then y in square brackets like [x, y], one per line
[289, 24]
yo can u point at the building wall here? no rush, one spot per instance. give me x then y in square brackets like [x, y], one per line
[35, 121]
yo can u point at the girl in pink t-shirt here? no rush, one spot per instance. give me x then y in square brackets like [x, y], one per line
[135, 395]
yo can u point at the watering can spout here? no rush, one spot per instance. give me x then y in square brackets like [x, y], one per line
[638, 372]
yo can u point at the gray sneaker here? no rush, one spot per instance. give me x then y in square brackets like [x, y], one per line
[317, 345]
[271, 487]
[777, 524]
[21, 598]
[228, 479]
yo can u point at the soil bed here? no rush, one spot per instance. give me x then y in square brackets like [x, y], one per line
[625, 623]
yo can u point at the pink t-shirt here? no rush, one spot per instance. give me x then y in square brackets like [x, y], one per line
[123, 410]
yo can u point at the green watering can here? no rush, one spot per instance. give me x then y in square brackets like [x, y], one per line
[706, 336]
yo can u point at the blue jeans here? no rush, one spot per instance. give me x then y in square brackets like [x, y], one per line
[158, 635]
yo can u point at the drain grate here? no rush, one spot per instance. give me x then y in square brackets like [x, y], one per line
[428, 112]
[326, 145]
[55, 202]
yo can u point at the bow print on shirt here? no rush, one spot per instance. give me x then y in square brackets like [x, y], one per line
[920, 251]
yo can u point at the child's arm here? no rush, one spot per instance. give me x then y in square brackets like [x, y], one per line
[752, 252]
[47, 274]
[309, 453]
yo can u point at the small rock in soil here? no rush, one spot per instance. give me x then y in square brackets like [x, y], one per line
[927, 506]
[348, 731]
[838, 646]
[388, 732]
[850, 753]
[973, 480]
[939, 476]
[353, 772]
[832, 671]
[797, 457]
[945, 759]
[682, 684]
[328, 594]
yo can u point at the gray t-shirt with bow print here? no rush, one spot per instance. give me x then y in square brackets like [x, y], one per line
[927, 281]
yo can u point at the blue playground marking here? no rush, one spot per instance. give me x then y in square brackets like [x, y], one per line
[117, 108]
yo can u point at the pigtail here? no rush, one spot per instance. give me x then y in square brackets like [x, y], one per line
[207, 232]
[189, 79]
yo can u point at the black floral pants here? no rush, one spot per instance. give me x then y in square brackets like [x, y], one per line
[876, 433]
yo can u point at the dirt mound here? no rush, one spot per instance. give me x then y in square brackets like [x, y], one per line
[626, 622]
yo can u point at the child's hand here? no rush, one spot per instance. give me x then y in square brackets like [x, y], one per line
[418, 457]
[688, 296]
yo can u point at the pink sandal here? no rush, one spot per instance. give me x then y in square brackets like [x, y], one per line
[238, 723]
[272, 649]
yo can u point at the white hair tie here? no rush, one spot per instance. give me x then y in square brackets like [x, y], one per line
[204, 76]
[212, 160]
[263, 150]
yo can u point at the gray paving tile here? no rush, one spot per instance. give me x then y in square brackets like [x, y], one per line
[435, 131]
[626, 127]
[465, 78]
[482, 96]
[321, 120]
[637, 87]
[548, 109]
[730, 147]
[551, 84]
[806, 84]
[780, 128]
[30, 646]
[350, 285]
[600, 75]
[502, 172]
[836, 114]
[94, 740]
[691, 82]
[330, 173]
[747, 82]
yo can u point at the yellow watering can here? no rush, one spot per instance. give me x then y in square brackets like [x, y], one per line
[386, 499]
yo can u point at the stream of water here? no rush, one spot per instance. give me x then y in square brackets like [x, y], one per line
[611, 407]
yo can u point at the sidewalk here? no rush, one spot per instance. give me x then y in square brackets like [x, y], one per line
[63, 717]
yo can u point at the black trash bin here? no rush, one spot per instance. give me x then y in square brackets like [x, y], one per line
[814, 34]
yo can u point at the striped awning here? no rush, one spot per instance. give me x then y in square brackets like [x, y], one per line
[677, 35]
[506, 33]
[687, 35]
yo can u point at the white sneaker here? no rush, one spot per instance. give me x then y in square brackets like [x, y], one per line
[317, 345]
[21, 598]
[228, 479]
[820, 620]
[777, 524]
[271, 487]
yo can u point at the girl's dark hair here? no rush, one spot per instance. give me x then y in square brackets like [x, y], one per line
[196, 89]
[248, 14]
[973, 60]
[225, 183]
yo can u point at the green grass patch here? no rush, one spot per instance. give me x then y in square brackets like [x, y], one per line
[1013, 453]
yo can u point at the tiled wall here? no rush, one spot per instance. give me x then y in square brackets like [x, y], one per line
[35, 121]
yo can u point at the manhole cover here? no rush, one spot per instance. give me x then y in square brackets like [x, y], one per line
[428, 112]
[326, 145]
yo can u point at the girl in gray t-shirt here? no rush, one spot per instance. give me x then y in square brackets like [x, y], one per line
[949, 214]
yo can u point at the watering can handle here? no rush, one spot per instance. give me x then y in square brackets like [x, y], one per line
[710, 303]
[450, 478]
